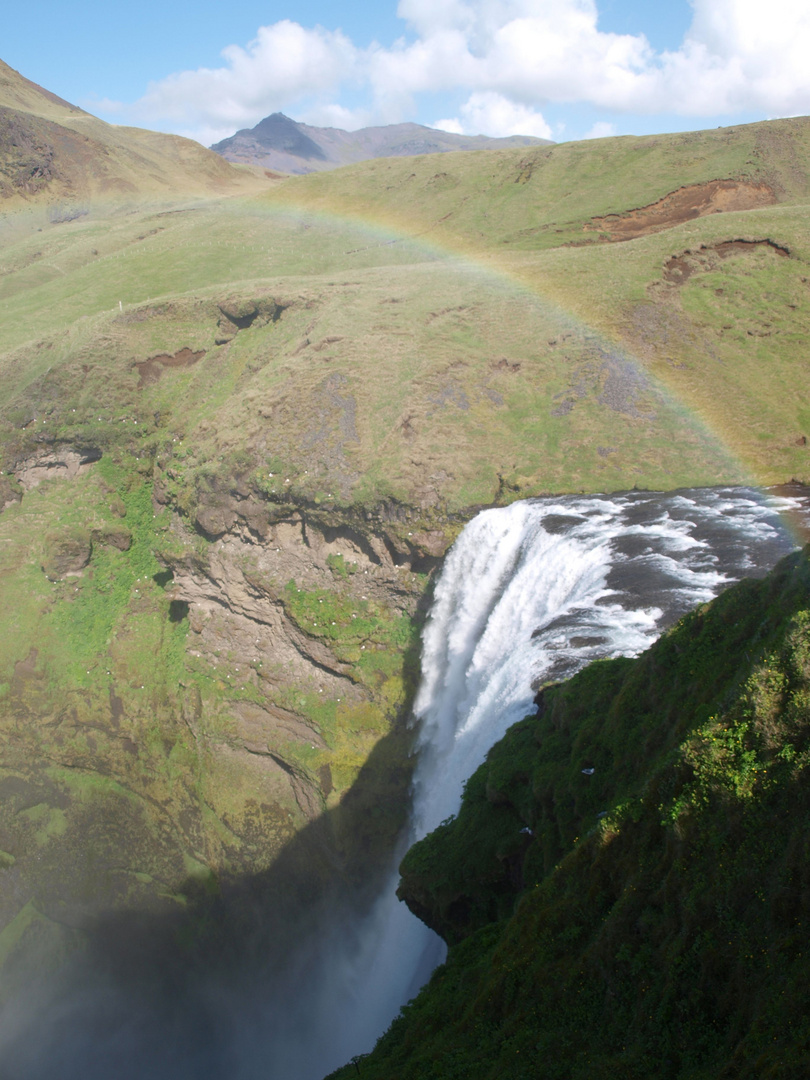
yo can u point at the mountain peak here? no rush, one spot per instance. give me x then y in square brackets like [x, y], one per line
[278, 134]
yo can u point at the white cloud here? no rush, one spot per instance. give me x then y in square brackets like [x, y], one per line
[336, 116]
[601, 130]
[529, 50]
[509, 58]
[739, 55]
[488, 113]
[453, 126]
[286, 62]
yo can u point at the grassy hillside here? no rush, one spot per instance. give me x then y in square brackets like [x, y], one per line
[647, 919]
[545, 197]
[507, 356]
[237, 435]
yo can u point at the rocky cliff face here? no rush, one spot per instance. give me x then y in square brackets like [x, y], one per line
[198, 691]
[213, 640]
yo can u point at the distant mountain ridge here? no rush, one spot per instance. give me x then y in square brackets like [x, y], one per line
[277, 142]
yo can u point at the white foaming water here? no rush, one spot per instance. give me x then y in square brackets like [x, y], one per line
[530, 594]
[533, 592]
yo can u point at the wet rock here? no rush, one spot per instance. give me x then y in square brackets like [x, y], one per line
[431, 542]
[63, 464]
[66, 555]
[215, 519]
[261, 726]
[10, 492]
[117, 537]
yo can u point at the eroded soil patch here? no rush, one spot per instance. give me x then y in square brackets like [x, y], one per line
[63, 463]
[679, 268]
[150, 370]
[685, 204]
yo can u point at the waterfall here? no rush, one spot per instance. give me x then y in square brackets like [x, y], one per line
[529, 594]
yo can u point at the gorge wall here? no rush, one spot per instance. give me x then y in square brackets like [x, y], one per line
[188, 823]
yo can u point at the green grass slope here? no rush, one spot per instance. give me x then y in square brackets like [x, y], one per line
[653, 922]
[626, 239]
[549, 196]
[487, 355]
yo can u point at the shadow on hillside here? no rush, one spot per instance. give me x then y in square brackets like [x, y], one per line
[248, 980]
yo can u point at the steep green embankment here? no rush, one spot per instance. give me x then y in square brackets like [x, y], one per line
[653, 923]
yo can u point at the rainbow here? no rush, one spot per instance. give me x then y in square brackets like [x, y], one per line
[520, 277]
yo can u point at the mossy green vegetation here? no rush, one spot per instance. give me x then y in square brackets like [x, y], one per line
[352, 625]
[625, 888]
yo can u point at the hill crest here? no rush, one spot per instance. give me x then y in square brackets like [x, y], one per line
[52, 151]
[23, 95]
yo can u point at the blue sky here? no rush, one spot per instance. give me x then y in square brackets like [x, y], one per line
[563, 69]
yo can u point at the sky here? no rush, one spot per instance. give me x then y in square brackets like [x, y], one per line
[558, 69]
